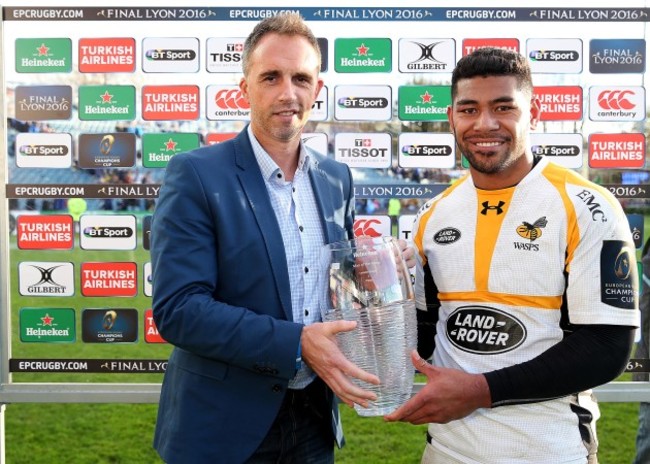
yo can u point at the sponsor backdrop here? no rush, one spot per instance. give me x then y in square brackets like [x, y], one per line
[98, 99]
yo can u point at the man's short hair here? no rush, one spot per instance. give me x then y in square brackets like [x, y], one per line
[491, 61]
[284, 24]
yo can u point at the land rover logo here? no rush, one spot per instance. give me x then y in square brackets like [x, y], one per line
[446, 236]
[484, 330]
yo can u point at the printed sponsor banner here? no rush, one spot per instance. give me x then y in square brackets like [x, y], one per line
[106, 55]
[560, 102]
[617, 56]
[226, 102]
[43, 102]
[405, 227]
[45, 278]
[51, 232]
[617, 103]
[423, 102]
[157, 149]
[619, 280]
[106, 102]
[223, 54]
[83, 366]
[82, 191]
[151, 334]
[146, 232]
[319, 110]
[109, 279]
[556, 56]
[107, 232]
[563, 149]
[170, 102]
[170, 54]
[317, 141]
[47, 325]
[50, 55]
[362, 102]
[469, 45]
[400, 191]
[372, 226]
[426, 150]
[617, 150]
[363, 55]
[213, 138]
[363, 150]
[636, 228]
[112, 150]
[426, 55]
[147, 279]
[109, 325]
[43, 150]
[324, 53]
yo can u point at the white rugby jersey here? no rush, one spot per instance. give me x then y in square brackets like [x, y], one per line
[504, 262]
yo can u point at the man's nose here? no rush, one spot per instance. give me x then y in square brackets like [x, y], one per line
[486, 121]
[287, 90]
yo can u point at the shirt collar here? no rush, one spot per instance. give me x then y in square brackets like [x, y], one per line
[269, 168]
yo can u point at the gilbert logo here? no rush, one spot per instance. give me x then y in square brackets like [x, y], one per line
[363, 102]
[109, 279]
[470, 45]
[372, 226]
[37, 278]
[106, 55]
[426, 150]
[151, 334]
[363, 150]
[224, 54]
[424, 102]
[106, 102]
[157, 149]
[43, 102]
[107, 232]
[43, 55]
[43, 150]
[44, 232]
[171, 55]
[616, 103]
[426, 55]
[621, 150]
[560, 103]
[362, 55]
[170, 102]
[226, 102]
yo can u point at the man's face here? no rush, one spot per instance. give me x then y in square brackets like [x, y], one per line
[281, 86]
[491, 119]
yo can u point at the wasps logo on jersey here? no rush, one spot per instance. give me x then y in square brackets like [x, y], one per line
[532, 231]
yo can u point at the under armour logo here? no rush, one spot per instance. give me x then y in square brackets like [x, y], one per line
[487, 207]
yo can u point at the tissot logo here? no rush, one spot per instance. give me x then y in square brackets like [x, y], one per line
[38, 278]
[44, 232]
[423, 102]
[226, 102]
[372, 226]
[224, 54]
[47, 325]
[426, 55]
[620, 150]
[170, 102]
[43, 102]
[470, 45]
[161, 54]
[43, 55]
[560, 103]
[363, 150]
[369, 102]
[555, 55]
[405, 227]
[109, 279]
[106, 102]
[616, 103]
[426, 150]
[106, 150]
[609, 56]
[487, 207]
[98, 55]
[109, 325]
[43, 150]
[107, 232]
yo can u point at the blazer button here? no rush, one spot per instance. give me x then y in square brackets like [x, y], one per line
[277, 388]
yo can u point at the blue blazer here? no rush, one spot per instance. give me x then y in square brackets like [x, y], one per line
[221, 296]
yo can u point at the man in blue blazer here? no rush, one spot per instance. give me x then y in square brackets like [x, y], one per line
[254, 374]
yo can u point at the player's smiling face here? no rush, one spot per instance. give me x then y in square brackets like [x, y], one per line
[491, 118]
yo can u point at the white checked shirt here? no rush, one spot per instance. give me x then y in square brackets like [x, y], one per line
[296, 210]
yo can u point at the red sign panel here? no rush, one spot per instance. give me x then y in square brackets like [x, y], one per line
[560, 102]
[103, 55]
[469, 45]
[109, 279]
[151, 334]
[36, 232]
[617, 150]
[170, 102]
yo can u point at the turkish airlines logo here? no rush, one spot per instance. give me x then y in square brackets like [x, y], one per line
[617, 103]
[372, 226]
[470, 45]
[226, 102]
[44, 232]
[109, 279]
[625, 150]
[560, 103]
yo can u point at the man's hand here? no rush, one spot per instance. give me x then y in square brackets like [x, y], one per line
[449, 394]
[408, 252]
[321, 352]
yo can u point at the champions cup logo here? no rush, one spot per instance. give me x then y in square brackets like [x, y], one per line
[470, 45]
[106, 144]
[109, 279]
[622, 266]
[109, 320]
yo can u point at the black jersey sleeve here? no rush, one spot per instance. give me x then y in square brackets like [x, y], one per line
[428, 317]
[590, 356]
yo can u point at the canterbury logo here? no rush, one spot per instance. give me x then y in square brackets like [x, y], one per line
[532, 231]
[487, 207]
[615, 100]
[366, 227]
[426, 52]
[231, 99]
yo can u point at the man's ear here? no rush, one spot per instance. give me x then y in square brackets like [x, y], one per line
[535, 112]
[450, 119]
[243, 86]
